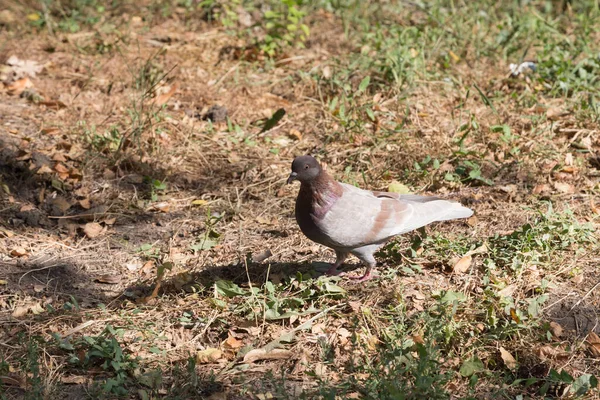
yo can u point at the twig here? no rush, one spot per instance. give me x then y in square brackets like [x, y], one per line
[586, 295]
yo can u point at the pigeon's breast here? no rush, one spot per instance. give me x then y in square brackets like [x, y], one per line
[312, 207]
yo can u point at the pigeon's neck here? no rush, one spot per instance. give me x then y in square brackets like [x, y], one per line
[321, 193]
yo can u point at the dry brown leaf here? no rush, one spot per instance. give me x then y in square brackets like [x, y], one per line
[508, 359]
[56, 104]
[59, 157]
[108, 278]
[543, 188]
[44, 169]
[231, 343]
[556, 329]
[463, 265]
[209, 355]
[5, 233]
[507, 291]
[593, 342]
[61, 168]
[593, 206]
[85, 203]
[92, 230]
[564, 187]
[547, 351]
[295, 134]
[163, 98]
[556, 113]
[261, 354]
[51, 131]
[74, 380]
[20, 311]
[18, 86]
[18, 252]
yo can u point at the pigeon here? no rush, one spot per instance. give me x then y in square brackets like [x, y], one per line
[351, 220]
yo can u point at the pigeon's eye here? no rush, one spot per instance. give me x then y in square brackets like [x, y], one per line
[305, 166]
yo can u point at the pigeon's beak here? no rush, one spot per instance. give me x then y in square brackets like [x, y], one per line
[293, 176]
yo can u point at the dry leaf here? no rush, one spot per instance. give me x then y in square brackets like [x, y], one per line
[556, 329]
[209, 355]
[85, 203]
[507, 291]
[295, 134]
[462, 265]
[44, 169]
[18, 86]
[163, 206]
[61, 168]
[108, 278]
[564, 187]
[20, 311]
[593, 342]
[92, 230]
[74, 380]
[24, 67]
[163, 98]
[508, 359]
[18, 252]
[556, 113]
[262, 354]
[59, 157]
[232, 343]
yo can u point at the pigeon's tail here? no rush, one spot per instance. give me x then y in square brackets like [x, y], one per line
[425, 211]
[455, 211]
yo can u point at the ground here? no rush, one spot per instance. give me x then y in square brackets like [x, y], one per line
[148, 247]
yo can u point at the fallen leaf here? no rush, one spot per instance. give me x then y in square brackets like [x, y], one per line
[231, 343]
[163, 98]
[92, 230]
[61, 168]
[85, 203]
[108, 278]
[261, 354]
[397, 187]
[19, 86]
[556, 113]
[593, 342]
[295, 134]
[508, 359]
[163, 206]
[20, 311]
[564, 187]
[18, 252]
[556, 329]
[74, 380]
[24, 67]
[199, 202]
[57, 104]
[547, 351]
[463, 265]
[507, 291]
[44, 169]
[209, 355]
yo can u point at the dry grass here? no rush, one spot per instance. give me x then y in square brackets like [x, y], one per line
[228, 177]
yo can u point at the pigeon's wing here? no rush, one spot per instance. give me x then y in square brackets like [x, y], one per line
[362, 217]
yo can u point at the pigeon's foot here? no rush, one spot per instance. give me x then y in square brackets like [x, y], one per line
[367, 276]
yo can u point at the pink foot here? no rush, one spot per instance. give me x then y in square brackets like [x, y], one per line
[367, 276]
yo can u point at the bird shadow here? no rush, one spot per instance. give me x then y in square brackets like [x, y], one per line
[249, 273]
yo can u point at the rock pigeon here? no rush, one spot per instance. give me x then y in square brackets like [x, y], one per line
[350, 220]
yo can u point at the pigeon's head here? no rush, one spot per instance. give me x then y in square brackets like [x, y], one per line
[304, 169]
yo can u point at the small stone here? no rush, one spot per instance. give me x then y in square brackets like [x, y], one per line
[216, 114]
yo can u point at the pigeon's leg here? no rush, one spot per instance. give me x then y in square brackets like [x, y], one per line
[340, 257]
[365, 254]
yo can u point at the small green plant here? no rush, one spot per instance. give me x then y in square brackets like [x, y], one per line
[284, 27]
[105, 352]
[157, 187]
